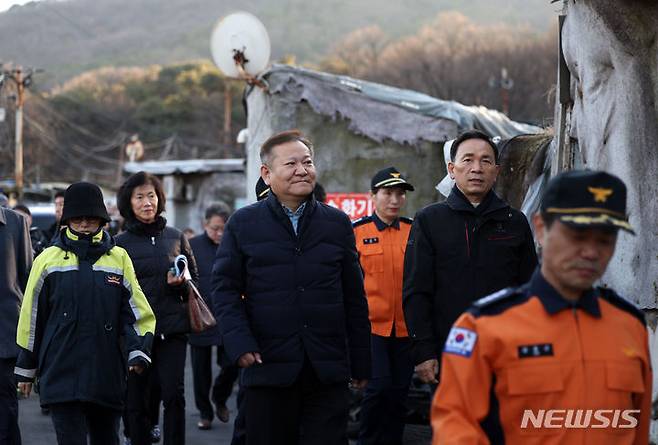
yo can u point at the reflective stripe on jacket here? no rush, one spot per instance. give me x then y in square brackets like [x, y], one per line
[381, 252]
[528, 357]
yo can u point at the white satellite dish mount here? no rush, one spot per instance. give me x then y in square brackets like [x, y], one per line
[240, 47]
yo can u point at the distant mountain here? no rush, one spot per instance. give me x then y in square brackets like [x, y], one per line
[68, 37]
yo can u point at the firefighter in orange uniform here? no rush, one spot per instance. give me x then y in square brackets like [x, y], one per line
[555, 361]
[381, 240]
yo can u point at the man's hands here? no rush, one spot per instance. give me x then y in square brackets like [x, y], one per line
[249, 359]
[25, 388]
[428, 370]
[173, 280]
[137, 369]
[358, 383]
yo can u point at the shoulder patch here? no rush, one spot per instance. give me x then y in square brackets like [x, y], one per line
[361, 221]
[498, 301]
[407, 220]
[622, 303]
[461, 341]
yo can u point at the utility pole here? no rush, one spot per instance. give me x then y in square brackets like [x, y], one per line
[22, 80]
[228, 110]
[20, 100]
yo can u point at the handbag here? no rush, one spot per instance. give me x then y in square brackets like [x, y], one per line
[201, 318]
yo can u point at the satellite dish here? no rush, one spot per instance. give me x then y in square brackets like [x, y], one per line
[240, 46]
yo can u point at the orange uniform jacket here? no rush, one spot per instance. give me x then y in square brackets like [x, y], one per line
[381, 251]
[529, 349]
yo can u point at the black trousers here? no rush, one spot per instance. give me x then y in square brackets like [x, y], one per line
[240, 424]
[168, 368]
[201, 357]
[9, 432]
[155, 397]
[307, 413]
[74, 421]
[383, 408]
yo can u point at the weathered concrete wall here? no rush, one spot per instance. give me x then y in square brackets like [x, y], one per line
[346, 162]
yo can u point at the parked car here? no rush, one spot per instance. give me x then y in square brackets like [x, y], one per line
[43, 215]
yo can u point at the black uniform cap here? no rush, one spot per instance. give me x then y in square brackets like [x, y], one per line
[389, 177]
[84, 199]
[585, 198]
[262, 189]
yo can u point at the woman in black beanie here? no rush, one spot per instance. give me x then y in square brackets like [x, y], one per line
[153, 245]
[81, 304]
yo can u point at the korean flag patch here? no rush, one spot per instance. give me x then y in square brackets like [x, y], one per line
[461, 341]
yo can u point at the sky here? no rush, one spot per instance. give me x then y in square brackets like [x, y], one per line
[6, 4]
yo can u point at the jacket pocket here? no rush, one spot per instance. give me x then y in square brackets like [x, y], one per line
[527, 380]
[372, 259]
[625, 377]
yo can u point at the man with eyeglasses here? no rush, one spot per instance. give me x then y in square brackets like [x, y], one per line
[204, 247]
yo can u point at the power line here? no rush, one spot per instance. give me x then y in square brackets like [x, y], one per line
[53, 145]
[119, 134]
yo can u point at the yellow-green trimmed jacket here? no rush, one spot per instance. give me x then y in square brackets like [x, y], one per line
[82, 315]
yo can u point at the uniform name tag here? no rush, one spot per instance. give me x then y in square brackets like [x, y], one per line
[461, 341]
[370, 240]
[114, 280]
[539, 350]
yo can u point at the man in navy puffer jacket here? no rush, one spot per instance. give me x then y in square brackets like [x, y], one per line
[289, 293]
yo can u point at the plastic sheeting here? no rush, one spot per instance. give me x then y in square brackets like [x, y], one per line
[313, 86]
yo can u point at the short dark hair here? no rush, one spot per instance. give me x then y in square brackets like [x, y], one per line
[472, 134]
[126, 191]
[59, 194]
[282, 138]
[22, 208]
[218, 209]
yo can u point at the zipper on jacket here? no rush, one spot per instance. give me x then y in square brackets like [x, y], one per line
[468, 242]
[580, 340]
[581, 351]
[153, 240]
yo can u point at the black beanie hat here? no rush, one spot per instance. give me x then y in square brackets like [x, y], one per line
[84, 199]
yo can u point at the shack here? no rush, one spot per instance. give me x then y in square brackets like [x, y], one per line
[358, 127]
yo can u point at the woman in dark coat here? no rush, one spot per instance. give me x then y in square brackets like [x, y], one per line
[153, 245]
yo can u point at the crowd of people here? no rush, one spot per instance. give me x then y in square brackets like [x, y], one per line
[309, 304]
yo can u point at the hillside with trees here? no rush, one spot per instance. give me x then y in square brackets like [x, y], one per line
[118, 68]
[68, 37]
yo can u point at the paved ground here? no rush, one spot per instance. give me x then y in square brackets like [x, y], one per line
[37, 429]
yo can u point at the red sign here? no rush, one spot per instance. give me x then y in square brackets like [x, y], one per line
[356, 205]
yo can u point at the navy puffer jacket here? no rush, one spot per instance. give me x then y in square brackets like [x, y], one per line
[288, 296]
[152, 248]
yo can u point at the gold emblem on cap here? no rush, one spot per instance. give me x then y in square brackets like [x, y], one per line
[395, 175]
[600, 194]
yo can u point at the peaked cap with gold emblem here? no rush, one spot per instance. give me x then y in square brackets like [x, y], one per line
[389, 177]
[585, 198]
